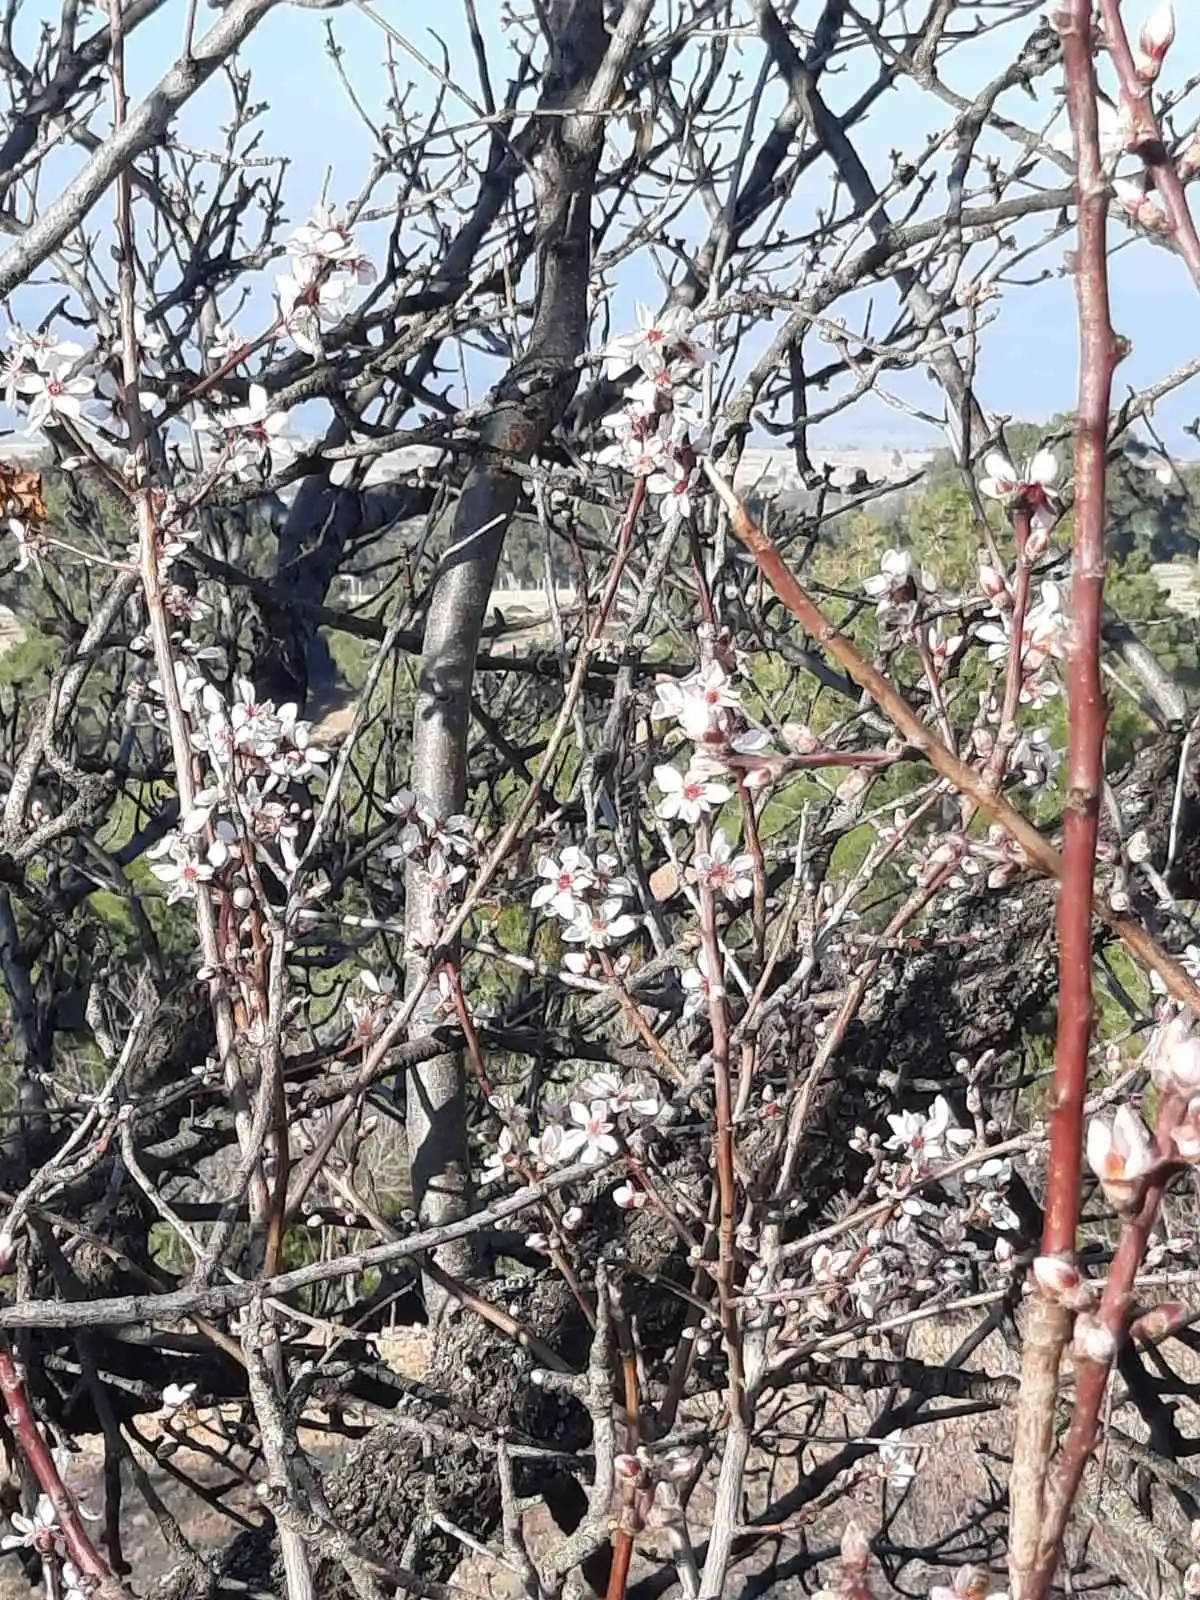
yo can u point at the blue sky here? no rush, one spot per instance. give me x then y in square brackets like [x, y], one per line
[1028, 365]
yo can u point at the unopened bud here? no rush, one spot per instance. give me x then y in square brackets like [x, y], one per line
[1174, 1059]
[1093, 1340]
[1186, 1137]
[1164, 1319]
[856, 1549]
[1037, 544]
[1062, 1282]
[1141, 208]
[1156, 38]
[991, 581]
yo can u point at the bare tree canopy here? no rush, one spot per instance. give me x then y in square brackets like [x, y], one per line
[600, 842]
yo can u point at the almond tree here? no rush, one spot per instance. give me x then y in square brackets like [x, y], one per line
[642, 1021]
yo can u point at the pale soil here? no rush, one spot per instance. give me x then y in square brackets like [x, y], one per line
[961, 1460]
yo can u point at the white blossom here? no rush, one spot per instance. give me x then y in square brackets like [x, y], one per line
[176, 1397]
[1120, 1154]
[566, 880]
[926, 1138]
[723, 872]
[589, 1138]
[33, 1532]
[686, 797]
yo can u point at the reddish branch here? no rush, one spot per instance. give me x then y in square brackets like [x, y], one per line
[37, 1453]
[1086, 711]
[1146, 138]
[1039, 852]
[1036, 1534]
[1091, 1376]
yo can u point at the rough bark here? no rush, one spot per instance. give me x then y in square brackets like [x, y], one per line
[525, 408]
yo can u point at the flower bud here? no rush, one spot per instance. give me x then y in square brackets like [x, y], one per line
[1062, 1282]
[1142, 209]
[1037, 544]
[1185, 1138]
[1175, 1059]
[856, 1549]
[1093, 1340]
[1166, 1318]
[1156, 38]
[1120, 1154]
[991, 581]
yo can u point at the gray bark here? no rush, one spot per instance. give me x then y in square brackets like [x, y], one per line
[583, 74]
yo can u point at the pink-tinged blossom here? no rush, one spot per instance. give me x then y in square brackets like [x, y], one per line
[546, 1148]
[927, 1138]
[1031, 489]
[1120, 1154]
[252, 719]
[370, 1010]
[322, 239]
[897, 1462]
[1174, 1059]
[686, 797]
[659, 340]
[36, 1532]
[1042, 636]
[502, 1159]
[640, 444]
[898, 582]
[1156, 37]
[722, 871]
[440, 873]
[173, 863]
[699, 703]
[589, 1136]
[225, 343]
[621, 1094]
[55, 397]
[941, 646]
[256, 425]
[45, 349]
[695, 986]
[595, 927]
[308, 297]
[566, 880]
[673, 483]
[296, 757]
[610, 881]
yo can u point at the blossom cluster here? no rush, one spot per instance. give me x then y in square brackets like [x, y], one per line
[914, 1246]
[588, 894]
[657, 434]
[591, 1128]
[325, 266]
[243, 818]
[440, 847]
